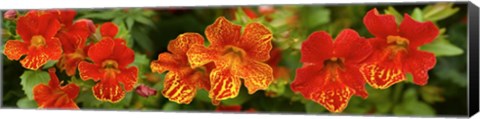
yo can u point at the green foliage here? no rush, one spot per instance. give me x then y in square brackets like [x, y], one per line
[26, 103]
[30, 79]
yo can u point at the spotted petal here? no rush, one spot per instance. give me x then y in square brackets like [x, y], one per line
[380, 25]
[256, 75]
[256, 40]
[108, 90]
[224, 85]
[183, 42]
[384, 69]
[418, 63]
[14, 49]
[178, 89]
[222, 32]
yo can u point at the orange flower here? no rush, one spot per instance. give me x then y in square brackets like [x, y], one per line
[109, 68]
[37, 31]
[182, 81]
[235, 55]
[73, 36]
[55, 96]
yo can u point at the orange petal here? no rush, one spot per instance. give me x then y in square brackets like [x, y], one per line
[89, 71]
[178, 89]
[334, 97]
[108, 90]
[166, 61]
[222, 32]
[199, 55]
[256, 40]
[34, 59]
[383, 70]
[47, 97]
[53, 48]
[183, 42]
[128, 77]
[256, 75]
[224, 85]
[108, 29]
[101, 50]
[14, 49]
[71, 90]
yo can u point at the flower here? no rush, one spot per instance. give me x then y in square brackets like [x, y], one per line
[330, 74]
[10, 14]
[235, 55]
[55, 96]
[145, 91]
[109, 67]
[37, 31]
[73, 36]
[182, 81]
[396, 50]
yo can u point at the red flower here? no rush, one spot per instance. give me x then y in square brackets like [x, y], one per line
[182, 81]
[330, 74]
[235, 55]
[110, 66]
[73, 36]
[396, 50]
[233, 108]
[55, 96]
[39, 44]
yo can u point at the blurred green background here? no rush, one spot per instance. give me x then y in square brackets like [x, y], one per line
[148, 30]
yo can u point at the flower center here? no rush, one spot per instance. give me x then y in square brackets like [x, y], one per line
[111, 68]
[77, 54]
[332, 65]
[234, 54]
[37, 41]
[398, 40]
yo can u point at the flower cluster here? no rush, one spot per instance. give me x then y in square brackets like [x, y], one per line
[53, 35]
[232, 55]
[333, 71]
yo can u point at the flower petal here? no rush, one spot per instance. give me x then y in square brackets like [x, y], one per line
[317, 48]
[256, 40]
[122, 54]
[256, 75]
[334, 96]
[177, 89]
[199, 55]
[166, 61]
[108, 90]
[53, 48]
[418, 33]
[224, 85]
[183, 42]
[65, 16]
[380, 25]
[101, 50]
[351, 46]
[89, 71]
[308, 79]
[222, 32]
[383, 69]
[352, 78]
[109, 29]
[128, 77]
[418, 63]
[34, 59]
[15, 49]
[71, 90]
[35, 24]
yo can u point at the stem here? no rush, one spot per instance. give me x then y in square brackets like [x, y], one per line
[397, 94]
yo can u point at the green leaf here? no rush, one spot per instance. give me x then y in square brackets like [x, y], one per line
[29, 79]
[130, 21]
[142, 39]
[316, 17]
[417, 14]
[439, 11]
[107, 15]
[26, 103]
[124, 33]
[50, 63]
[145, 21]
[171, 106]
[87, 99]
[441, 47]
[313, 107]
[202, 95]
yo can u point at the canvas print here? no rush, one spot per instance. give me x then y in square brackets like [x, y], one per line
[355, 59]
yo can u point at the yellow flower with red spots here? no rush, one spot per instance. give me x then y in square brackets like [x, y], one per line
[235, 55]
[181, 81]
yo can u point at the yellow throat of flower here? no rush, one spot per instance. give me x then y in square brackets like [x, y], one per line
[37, 41]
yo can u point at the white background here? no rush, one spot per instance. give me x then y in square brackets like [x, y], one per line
[98, 114]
